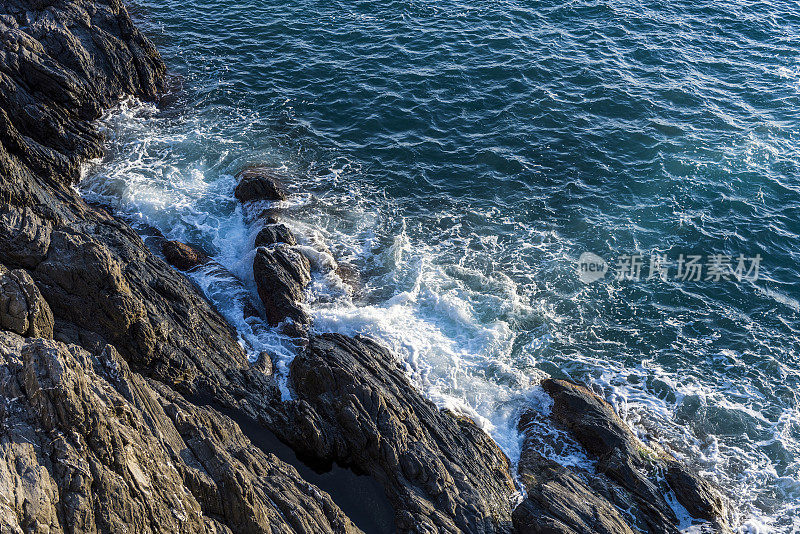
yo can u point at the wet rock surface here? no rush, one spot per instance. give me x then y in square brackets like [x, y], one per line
[182, 256]
[355, 406]
[281, 274]
[258, 183]
[627, 492]
[274, 233]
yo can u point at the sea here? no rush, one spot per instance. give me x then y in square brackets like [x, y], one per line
[601, 190]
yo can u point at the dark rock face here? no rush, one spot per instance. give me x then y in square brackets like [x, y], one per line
[626, 477]
[182, 255]
[355, 406]
[22, 308]
[700, 498]
[281, 274]
[64, 61]
[258, 183]
[90, 446]
[273, 234]
[560, 501]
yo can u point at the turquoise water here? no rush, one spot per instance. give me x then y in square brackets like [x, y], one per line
[463, 155]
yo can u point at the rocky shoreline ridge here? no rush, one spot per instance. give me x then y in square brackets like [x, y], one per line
[128, 404]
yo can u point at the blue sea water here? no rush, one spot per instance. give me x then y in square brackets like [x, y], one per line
[462, 155]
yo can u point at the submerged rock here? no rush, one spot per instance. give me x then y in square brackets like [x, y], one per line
[627, 477]
[22, 308]
[355, 406]
[258, 183]
[182, 256]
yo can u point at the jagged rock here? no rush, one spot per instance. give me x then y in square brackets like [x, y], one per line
[560, 501]
[258, 183]
[355, 406]
[22, 308]
[700, 498]
[626, 476]
[281, 274]
[90, 446]
[64, 61]
[182, 255]
[272, 234]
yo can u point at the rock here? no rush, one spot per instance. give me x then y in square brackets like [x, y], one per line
[626, 476]
[90, 446]
[264, 363]
[700, 498]
[182, 255]
[560, 501]
[258, 183]
[22, 308]
[64, 63]
[273, 234]
[355, 406]
[281, 274]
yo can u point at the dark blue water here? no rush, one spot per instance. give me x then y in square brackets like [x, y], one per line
[463, 155]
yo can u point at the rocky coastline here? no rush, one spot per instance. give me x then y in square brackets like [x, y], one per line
[128, 404]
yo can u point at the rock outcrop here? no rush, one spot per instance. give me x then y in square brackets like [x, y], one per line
[90, 446]
[274, 233]
[627, 477]
[355, 406]
[281, 274]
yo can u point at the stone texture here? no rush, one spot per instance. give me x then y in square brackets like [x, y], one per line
[90, 446]
[355, 406]
[282, 274]
[182, 256]
[560, 501]
[258, 183]
[273, 234]
[22, 308]
[625, 493]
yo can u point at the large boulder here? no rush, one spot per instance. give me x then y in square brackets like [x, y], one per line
[258, 183]
[355, 406]
[22, 308]
[628, 476]
[274, 233]
[282, 274]
[182, 256]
